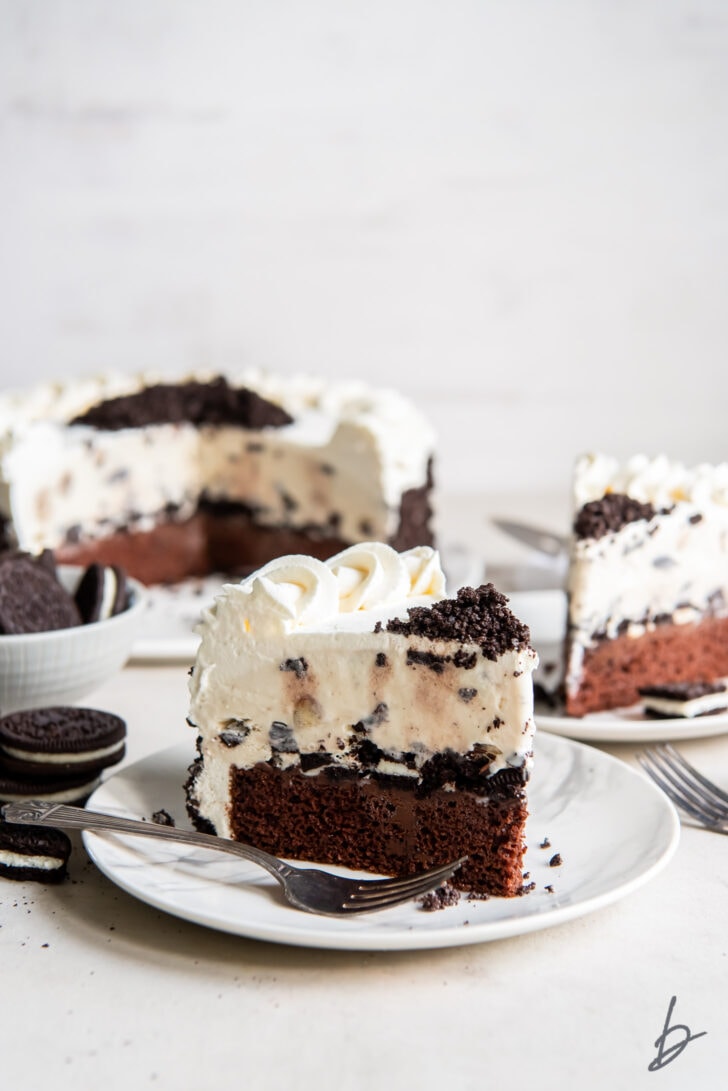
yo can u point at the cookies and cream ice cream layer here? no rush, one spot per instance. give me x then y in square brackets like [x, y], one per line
[296, 664]
[343, 462]
[669, 561]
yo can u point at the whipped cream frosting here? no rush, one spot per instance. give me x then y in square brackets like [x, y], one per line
[674, 564]
[54, 477]
[294, 647]
[660, 481]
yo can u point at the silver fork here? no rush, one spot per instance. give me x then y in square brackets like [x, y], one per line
[688, 789]
[309, 889]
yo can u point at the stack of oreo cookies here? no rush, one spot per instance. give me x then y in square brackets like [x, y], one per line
[52, 754]
[33, 599]
[57, 755]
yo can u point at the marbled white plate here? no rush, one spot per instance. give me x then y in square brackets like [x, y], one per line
[629, 725]
[611, 827]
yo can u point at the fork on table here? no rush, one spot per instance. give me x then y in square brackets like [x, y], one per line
[309, 889]
[688, 789]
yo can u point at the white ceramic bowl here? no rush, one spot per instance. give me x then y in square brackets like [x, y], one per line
[60, 667]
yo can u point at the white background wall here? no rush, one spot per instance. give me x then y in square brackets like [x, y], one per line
[515, 211]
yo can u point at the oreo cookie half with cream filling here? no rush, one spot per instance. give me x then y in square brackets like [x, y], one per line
[101, 592]
[648, 579]
[32, 853]
[685, 700]
[347, 712]
[60, 742]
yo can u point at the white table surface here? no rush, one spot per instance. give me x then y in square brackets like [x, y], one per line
[100, 990]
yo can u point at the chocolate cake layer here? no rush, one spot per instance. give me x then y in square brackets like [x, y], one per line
[614, 670]
[224, 538]
[382, 827]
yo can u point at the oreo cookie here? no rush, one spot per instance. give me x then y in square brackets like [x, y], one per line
[102, 593]
[17, 789]
[35, 853]
[60, 742]
[31, 598]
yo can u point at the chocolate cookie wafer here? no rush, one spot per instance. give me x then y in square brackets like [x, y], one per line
[75, 789]
[61, 741]
[31, 598]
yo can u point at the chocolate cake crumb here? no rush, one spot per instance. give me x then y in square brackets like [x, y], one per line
[476, 616]
[610, 514]
[163, 818]
[214, 402]
[556, 860]
[526, 888]
[440, 898]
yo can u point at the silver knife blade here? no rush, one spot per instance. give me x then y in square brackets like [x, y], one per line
[543, 541]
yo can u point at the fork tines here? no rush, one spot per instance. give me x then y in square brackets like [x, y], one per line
[688, 789]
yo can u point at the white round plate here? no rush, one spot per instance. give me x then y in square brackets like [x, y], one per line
[629, 725]
[612, 827]
[174, 610]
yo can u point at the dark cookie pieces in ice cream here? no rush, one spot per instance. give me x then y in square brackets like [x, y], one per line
[61, 741]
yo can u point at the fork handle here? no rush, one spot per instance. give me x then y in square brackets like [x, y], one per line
[60, 815]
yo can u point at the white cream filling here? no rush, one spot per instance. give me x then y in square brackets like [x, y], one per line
[698, 706]
[18, 859]
[39, 758]
[108, 595]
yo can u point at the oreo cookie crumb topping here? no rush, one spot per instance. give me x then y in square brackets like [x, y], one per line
[466, 694]
[545, 844]
[556, 860]
[381, 659]
[440, 898]
[479, 615]
[610, 514]
[214, 402]
[163, 818]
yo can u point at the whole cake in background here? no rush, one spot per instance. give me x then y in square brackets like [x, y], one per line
[348, 712]
[171, 479]
[648, 579]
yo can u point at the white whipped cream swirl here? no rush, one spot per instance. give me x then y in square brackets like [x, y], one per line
[300, 592]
